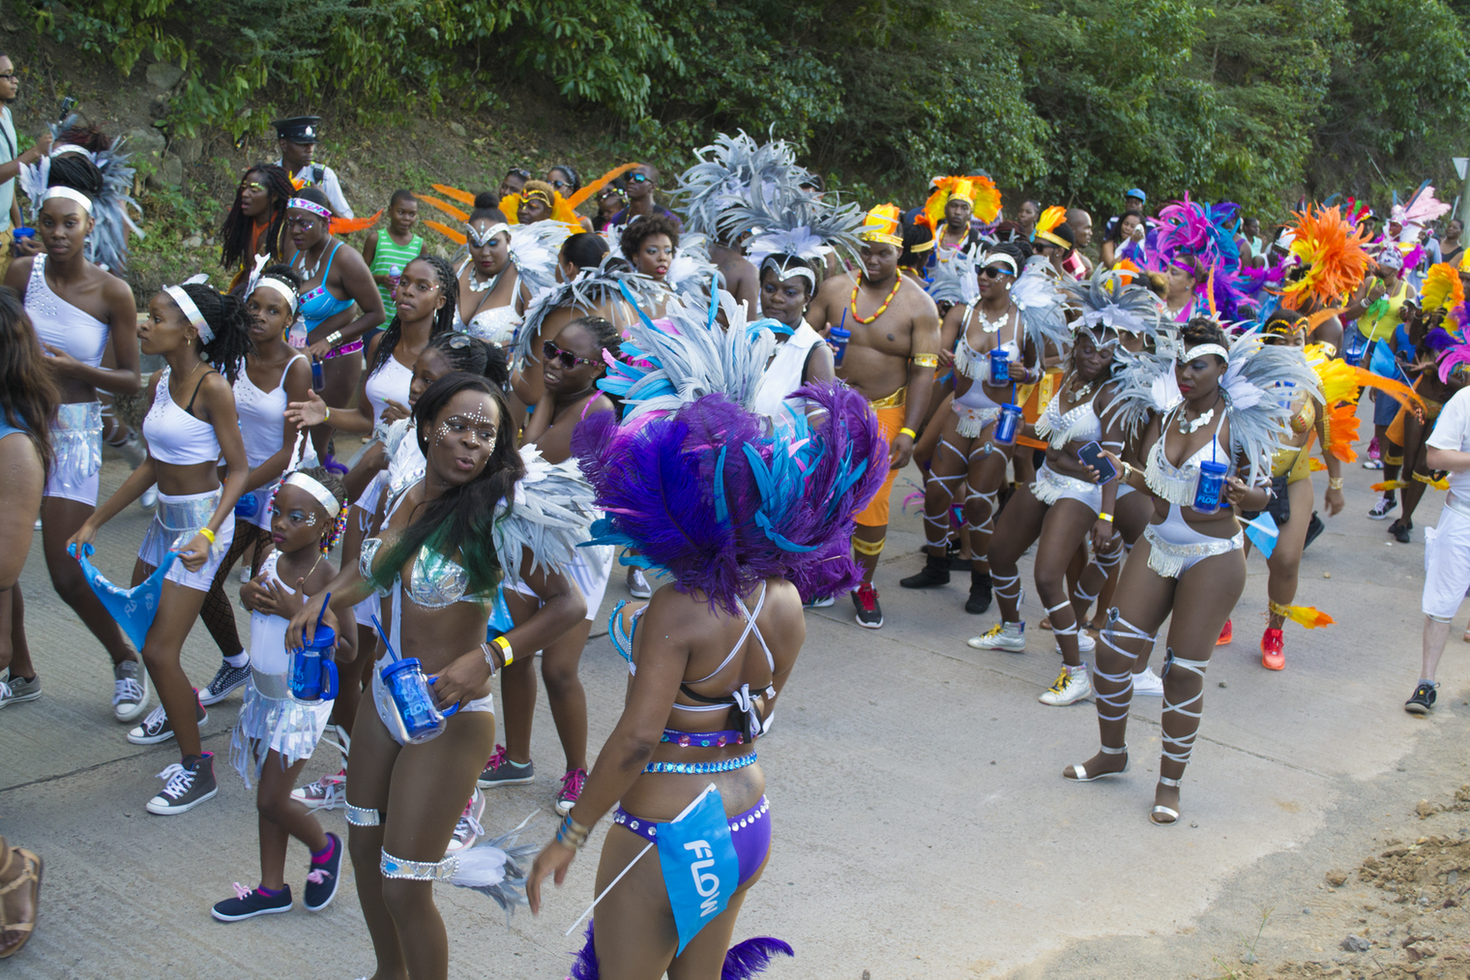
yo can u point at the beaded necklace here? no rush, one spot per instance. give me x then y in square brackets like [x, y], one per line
[897, 282]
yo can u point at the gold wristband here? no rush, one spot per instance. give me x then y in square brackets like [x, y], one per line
[207, 534]
[925, 360]
[1105, 517]
[1334, 483]
[906, 431]
[504, 644]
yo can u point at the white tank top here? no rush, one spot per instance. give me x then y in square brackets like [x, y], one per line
[391, 381]
[60, 324]
[174, 436]
[268, 632]
[783, 375]
[261, 414]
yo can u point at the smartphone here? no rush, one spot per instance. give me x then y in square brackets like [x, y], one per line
[1092, 455]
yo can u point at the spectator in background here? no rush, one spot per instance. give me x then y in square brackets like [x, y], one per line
[1451, 250]
[1081, 224]
[610, 201]
[10, 161]
[1446, 547]
[1125, 240]
[1250, 230]
[642, 184]
[298, 139]
[1134, 199]
[1026, 218]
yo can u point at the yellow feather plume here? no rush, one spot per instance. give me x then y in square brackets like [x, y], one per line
[1308, 616]
[1442, 288]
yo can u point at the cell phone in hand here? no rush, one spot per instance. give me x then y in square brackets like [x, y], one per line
[1092, 455]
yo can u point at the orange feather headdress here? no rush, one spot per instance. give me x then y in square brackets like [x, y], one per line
[1331, 250]
[981, 193]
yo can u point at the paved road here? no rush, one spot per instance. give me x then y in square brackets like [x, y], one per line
[922, 825]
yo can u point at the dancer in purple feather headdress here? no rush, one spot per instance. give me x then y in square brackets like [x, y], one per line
[743, 522]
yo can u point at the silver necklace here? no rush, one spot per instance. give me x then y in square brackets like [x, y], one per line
[988, 325]
[307, 275]
[1186, 426]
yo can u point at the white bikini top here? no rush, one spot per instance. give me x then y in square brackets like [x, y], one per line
[174, 435]
[261, 413]
[59, 323]
[975, 365]
[496, 325]
[1177, 484]
[1080, 424]
[392, 381]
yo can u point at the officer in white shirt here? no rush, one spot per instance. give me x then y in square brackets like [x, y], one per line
[298, 138]
[10, 162]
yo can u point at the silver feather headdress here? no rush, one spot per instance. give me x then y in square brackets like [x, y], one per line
[107, 245]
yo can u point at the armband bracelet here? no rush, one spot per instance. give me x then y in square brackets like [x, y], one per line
[207, 534]
[1334, 483]
[507, 658]
[1127, 472]
[906, 431]
[1105, 517]
[925, 360]
[572, 834]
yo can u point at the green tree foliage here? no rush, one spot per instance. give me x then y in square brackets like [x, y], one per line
[1259, 101]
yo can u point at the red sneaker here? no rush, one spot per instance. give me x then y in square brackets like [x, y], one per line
[1226, 635]
[1273, 657]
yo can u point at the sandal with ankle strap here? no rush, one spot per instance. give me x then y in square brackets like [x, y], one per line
[1081, 773]
[1165, 811]
[30, 874]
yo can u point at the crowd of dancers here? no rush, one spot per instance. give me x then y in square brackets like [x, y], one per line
[718, 398]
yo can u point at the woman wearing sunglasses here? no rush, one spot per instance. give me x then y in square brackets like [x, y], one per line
[571, 366]
[564, 180]
[968, 453]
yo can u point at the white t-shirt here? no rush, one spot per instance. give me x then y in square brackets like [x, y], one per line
[7, 153]
[1452, 432]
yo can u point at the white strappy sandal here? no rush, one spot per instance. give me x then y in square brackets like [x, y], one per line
[1164, 811]
[1081, 773]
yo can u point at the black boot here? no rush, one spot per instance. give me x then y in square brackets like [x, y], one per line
[934, 572]
[979, 601]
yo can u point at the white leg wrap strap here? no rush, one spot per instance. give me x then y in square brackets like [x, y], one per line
[992, 499]
[362, 817]
[1062, 630]
[393, 867]
[1113, 704]
[1006, 586]
[1184, 743]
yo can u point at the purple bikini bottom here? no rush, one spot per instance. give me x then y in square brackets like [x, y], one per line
[750, 832]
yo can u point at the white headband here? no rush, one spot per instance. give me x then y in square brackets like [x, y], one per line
[479, 240]
[323, 496]
[278, 286]
[999, 257]
[1202, 350]
[312, 206]
[70, 195]
[774, 262]
[61, 149]
[191, 312]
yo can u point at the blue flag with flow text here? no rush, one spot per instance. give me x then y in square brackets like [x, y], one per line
[700, 868]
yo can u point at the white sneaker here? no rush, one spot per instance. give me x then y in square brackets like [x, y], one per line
[1002, 636]
[326, 793]
[1147, 684]
[468, 830]
[130, 690]
[638, 585]
[149, 500]
[1071, 686]
[1085, 643]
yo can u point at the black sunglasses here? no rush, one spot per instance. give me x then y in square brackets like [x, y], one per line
[995, 271]
[567, 358]
[10, 75]
[518, 172]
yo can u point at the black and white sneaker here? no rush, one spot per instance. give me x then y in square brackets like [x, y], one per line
[1423, 700]
[129, 690]
[249, 904]
[322, 879]
[185, 787]
[865, 600]
[1380, 510]
[157, 728]
[226, 679]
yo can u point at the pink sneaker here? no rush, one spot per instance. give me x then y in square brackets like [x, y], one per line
[571, 788]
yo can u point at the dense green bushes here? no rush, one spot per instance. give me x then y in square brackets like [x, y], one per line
[1257, 100]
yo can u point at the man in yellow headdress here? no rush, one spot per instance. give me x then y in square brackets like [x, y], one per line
[886, 331]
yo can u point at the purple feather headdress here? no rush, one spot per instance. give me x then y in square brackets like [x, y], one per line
[1202, 237]
[707, 495]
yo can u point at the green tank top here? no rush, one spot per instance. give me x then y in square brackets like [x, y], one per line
[388, 255]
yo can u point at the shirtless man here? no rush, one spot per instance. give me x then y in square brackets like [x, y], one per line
[890, 358]
[740, 277]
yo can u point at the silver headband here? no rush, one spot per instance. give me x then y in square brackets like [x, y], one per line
[1000, 257]
[191, 312]
[278, 286]
[1202, 350]
[323, 496]
[62, 149]
[70, 195]
[774, 263]
[312, 206]
[480, 241]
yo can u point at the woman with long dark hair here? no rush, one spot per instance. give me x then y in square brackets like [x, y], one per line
[190, 425]
[256, 222]
[78, 311]
[445, 545]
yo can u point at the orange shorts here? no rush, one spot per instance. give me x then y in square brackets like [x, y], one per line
[890, 420]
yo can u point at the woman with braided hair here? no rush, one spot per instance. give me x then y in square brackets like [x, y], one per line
[256, 221]
[190, 425]
[274, 374]
[79, 312]
[1206, 456]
